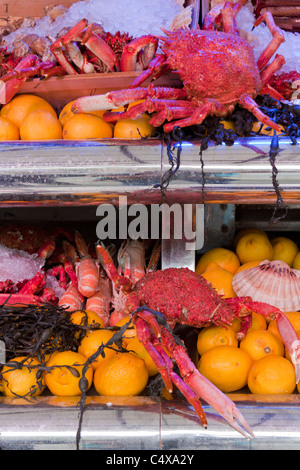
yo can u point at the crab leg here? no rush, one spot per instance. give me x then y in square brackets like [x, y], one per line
[278, 38]
[11, 82]
[132, 59]
[198, 116]
[156, 68]
[248, 103]
[194, 385]
[115, 99]
[290, 340]
[20, 299]
[173, 108]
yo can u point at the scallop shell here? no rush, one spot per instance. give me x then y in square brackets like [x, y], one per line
[273, 282]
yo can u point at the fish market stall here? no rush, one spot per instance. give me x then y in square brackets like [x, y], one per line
[104, 144]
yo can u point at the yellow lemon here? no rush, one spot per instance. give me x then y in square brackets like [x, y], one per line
[254, 247]
[246, 231]
[263, 129]
[284, 249]
[225, 258]
[133, 128]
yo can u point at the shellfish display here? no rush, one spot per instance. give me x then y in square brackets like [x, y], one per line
[273, 282]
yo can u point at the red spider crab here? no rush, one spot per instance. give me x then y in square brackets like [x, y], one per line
[177, 295]
[218, 71]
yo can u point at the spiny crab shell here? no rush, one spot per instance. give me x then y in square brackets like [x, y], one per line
[213, 65]
[183, 297]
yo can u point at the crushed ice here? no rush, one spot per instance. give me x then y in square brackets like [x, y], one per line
[132, 16]
[261, 36]
[18, 265]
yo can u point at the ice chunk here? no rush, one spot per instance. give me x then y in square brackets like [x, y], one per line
[52, 283]
[261, 37]
[18, 265]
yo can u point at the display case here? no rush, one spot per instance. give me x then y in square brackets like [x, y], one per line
[65, 181]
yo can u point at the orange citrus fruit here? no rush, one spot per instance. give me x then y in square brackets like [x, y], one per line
[226, 367]
[40, 125]
[66, 370]
[272, 375]
[92, 341]
[258, 323]
[228, 124]
[213, 336]
[66, 113]
[130, 331]
[296, 262]
[8, 129]
[134, 345]
[284, 249]
[254, 247]
[22, 105]
[123, 375]
[246, 231]
[249, 265]
[265, 129]
[86, 126]
[225, 258]
[23, 381]
[133, 128]
[293, 317]
[87, 318]
[260, 343]
[220, 279]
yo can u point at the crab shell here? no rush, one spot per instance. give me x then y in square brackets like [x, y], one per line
[183, 296]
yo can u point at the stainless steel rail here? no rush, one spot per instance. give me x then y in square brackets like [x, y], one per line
[141, 423]
[92, 172]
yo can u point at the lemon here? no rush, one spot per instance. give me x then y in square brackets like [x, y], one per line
[133, 128]
[246, 231]
[284, 249]
[254, 247]
[263, 129]
[225, 258]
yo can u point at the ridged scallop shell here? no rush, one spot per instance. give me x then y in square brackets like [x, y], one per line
[273, 282]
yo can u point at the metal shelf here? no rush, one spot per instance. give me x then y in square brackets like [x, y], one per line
[139, 423]
[93, 172]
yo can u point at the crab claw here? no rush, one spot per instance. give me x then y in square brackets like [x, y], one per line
[211, 394]
[291, 341]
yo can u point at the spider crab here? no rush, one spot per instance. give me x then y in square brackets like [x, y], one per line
[177, 295]
[217, 69]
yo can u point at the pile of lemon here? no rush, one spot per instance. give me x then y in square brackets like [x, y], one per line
[260, 360]
[67, 373]
[30, 117]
